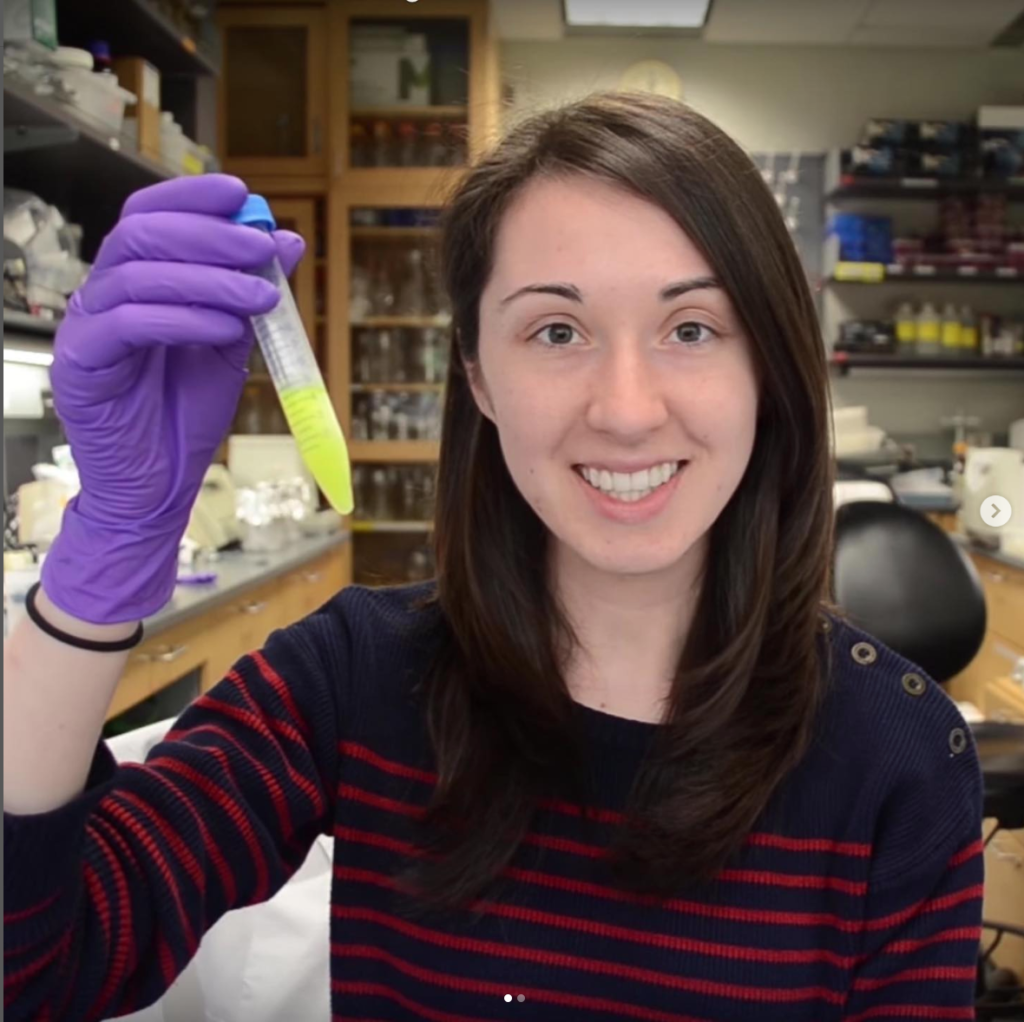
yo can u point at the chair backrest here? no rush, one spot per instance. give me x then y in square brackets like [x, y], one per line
[901, 578]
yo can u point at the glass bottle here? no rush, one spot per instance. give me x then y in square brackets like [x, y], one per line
[383, 146]
[968, 332]
[408, 137]
[950, 331]
[412, 297]
[906, 329]
[435, 153]
[359, 145]
[382, 286]
[928, 330]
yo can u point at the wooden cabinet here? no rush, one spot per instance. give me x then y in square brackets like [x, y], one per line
[272, 89]
[213, 642]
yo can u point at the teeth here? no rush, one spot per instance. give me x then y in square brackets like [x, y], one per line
[630, 487]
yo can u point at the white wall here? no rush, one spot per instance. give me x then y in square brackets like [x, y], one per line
[776, 97]
[811, 99]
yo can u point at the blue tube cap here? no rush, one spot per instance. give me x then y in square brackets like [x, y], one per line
[255, 212]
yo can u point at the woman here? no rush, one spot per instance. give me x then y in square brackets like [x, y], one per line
[621, 759]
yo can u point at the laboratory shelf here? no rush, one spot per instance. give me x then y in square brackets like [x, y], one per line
[847, 361]
[68, 162]
[403, 451]
[1003, 275]
[23, 323]
[924, 188]
[136, 27]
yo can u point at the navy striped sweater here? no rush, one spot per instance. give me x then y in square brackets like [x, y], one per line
[857, 897]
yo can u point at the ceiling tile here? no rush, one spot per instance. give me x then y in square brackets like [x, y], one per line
[824, 22]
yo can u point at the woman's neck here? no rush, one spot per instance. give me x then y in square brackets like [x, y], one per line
[631, 630]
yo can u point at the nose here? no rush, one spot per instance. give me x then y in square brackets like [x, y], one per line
[627, 398]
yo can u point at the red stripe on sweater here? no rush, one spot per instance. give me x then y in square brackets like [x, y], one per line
[274, 789]
[591, 966]
[361, 752]
[274, 680]
[972, 934]
[235, 812]
[683, 906]
[368, 798]
[532, 994]
[123, 953]
[971, 851]
[664, 941]
[931, 1012]
[944, 973]
[227, 878]
[181, 850]
[856, 849]
[143, 835]
[927, 905]
[744, 915]
[312, 790]
[21, 914]
[745, 876]
[14, 981]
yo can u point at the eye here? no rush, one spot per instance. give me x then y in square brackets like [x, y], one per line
[559, 335]
[694, 334]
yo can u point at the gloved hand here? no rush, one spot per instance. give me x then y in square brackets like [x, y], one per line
[148, 368]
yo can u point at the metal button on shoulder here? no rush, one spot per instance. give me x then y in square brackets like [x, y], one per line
[957, 740]
[864, 653]
[826, 625]
[914, 684]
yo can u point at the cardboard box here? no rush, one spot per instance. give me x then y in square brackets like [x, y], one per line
[31, 21]
[139, 76]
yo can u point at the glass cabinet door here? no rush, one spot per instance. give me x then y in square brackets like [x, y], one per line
[273, 90]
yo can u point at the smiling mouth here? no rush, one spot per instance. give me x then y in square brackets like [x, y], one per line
[630, 487]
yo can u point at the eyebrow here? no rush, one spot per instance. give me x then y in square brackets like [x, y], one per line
[573, 293]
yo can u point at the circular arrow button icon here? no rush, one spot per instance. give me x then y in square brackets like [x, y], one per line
[996, 511]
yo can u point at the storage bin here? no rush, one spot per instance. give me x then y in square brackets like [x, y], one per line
[97, 97]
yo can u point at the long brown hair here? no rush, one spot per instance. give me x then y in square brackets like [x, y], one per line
[751, 676]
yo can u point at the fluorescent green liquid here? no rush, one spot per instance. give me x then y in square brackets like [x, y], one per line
[321, 443]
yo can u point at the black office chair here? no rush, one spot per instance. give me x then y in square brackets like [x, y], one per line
[901, 578]
[898, 576]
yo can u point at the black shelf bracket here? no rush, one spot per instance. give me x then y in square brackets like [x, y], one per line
[23, 137]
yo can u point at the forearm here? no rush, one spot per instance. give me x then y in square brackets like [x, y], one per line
[55, 700]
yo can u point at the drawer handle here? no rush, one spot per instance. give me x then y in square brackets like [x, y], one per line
[166, 656]
[253, 608]
[312, 576]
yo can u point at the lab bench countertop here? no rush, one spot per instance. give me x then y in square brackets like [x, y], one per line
[236, 572]
[973, 547]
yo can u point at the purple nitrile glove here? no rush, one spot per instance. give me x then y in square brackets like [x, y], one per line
[148, 367]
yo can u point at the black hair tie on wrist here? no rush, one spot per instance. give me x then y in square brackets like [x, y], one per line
[73, 640]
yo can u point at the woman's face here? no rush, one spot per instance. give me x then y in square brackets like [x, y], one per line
[617, 374]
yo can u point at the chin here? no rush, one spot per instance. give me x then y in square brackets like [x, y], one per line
[628, 557]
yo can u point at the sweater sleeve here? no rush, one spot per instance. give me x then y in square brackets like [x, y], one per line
[107, 897]
[922, 925]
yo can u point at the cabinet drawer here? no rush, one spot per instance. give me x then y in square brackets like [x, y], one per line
[315, 583]
[1004, 893]
[135, 685]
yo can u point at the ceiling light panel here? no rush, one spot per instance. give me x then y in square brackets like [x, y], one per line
[636, 14]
